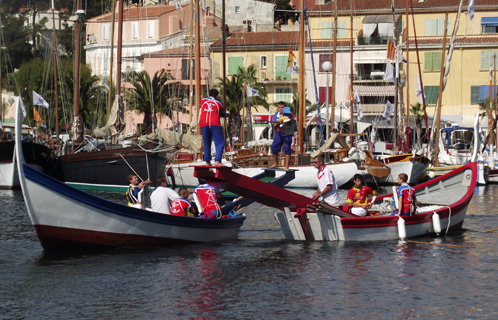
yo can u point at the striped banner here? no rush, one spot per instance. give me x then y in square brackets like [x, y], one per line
[390, 50]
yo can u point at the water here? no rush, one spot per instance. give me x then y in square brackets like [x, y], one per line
[257, 276]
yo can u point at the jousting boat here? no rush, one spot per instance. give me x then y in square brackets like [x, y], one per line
[442, 208]
[64, 216]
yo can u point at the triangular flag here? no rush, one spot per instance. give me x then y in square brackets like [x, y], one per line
[401, 58]
[390, 50]
[471, 9]
[39, 101]
[292, 67]
[358, 104]
[178, 6]
[252, 92]
[389, 109]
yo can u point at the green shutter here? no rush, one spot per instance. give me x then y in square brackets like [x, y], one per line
[439, 26]
[436, 61]
[341, 29]
[428, 61]
[484, 60]
[430, 27]
[234, 63]
[327, 30]
[431, 92]
[283, 94]
[281, 67]
[474, 94]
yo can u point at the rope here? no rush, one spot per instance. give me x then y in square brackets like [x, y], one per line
[130, 167]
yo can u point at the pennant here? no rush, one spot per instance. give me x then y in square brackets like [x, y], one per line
[390, 50]
[360, 111]
[38, 118]
[389, 75]
[251, 92]
[401, 58]
[471, 9]
[39, 101]
[23, 108]
[419, 90]
[389, 109]
[372, 137]
[292, 67]
[178, 6]
[358, 104]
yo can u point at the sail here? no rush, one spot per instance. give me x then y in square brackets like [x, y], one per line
[115, 121]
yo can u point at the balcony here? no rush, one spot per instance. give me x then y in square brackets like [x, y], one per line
[376, 40]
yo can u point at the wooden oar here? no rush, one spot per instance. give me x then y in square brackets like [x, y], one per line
[490, 230]
[438, 244]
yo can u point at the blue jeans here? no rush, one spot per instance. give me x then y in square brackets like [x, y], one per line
[213, 133]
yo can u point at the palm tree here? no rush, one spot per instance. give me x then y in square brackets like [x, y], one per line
[149, 96]
[418, 112]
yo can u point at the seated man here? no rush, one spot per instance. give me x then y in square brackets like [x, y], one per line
[182, 206]
[205, 196]
[161, 198]
[134, 189]
[406, 197]
[358, 196]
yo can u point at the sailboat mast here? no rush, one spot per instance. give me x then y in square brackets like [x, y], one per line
[190, 62]
[439, 98]
[496, 108]
[197, 61]
[334, 68]
[120, 46]
[223, 56]
[301, 103]
[351, 66]
[113, 23]
[407, 69]
[396, 86]
[54, 47]
[77, 68]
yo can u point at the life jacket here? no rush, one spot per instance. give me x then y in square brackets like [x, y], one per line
[206, 196]
[132, 194]
[179, 207]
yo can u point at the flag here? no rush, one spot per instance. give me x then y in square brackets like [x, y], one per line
[358, 104]
[360, 111]
[389, 109]
[178, 6]
[251, 92]
[38, 100]
[38, 118]
[401, 58]
[390, 50]
[389, 75]
[471, 9]
[292, 67]
[372, 137]
[419, 89]
[350, 95]
[23, 108]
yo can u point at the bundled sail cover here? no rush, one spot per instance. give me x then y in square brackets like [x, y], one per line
[187, 140]
[115, 122]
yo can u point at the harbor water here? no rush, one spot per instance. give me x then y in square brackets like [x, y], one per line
[259, 275]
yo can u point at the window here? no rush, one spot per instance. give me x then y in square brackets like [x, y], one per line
[234, 63]
[150, 29]
[283, 94]
[489, 24]
[487, 59]
[483, 93]
[237, 9]
[321, 59]
[432, 61]
[322, 94]
[431, 94]
[328, 30]
[435, 27]
[264, 62]
[105, 32]
[186, 69]
[281, 68]
[474, 94]
[135, 31]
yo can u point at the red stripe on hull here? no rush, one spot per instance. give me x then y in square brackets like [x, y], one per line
[55, 238]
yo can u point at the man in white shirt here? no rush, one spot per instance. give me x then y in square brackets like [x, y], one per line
[327, 187]
[162, 197]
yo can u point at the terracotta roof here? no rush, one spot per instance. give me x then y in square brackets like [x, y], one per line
[462, 40]
[377, 6]
[134, 12]
[214, 33]
[328, 43]
[178, 51]
[267, 38]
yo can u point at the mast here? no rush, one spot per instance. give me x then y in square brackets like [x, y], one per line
[197, 61]
[243, 111]
[351, 69]
[407, 70]
[120, 47]
[490, 111]
[113, 23]
[496, 109]
[55, 75]
[301, 103]
[438, 116]
[224, 58]
[334, 67]
[77, 69]
[191, 63]
[396, 86]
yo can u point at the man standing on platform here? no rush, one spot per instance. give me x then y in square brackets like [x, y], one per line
[209, 121]
[278, 140]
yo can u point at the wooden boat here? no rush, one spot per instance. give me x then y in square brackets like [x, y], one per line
[65, 217]
[442, 208]
[413, 165]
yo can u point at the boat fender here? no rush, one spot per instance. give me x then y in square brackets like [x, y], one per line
[437, 223]
[170, 178]
[401, 228]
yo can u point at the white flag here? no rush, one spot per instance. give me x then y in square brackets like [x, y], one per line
[419, 89]
[389, 75]
[292, 65]
[471, 9]
[389, 109]
[401, 58]
[358, 104]
[23, 108]
[251, 92]
[372, 137]
[39, 101]
[178, 6]
[42, 124]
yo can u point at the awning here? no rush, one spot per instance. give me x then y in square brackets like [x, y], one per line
[375, 91]
[484, 93]
[386, 18]
[489, 21]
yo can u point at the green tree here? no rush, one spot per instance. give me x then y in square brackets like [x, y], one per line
[15, 40]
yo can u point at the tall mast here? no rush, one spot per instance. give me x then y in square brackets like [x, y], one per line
[197, 61]
[77, 68]
[120, 47]
[439, 98]
[223, 57]
[407, 70]
[334, 68]
[113, 23]
[396, 86]
[191, 62]
[301, 103]
[496, 109]
[351, 68]
[54, 47]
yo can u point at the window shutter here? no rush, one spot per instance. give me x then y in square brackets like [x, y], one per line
[428, 61]
[281, 67]
[234, 63]
[431, 93]
[327, 30]
[474, 94]
[484, 60]
[341, 29]
[436, 61]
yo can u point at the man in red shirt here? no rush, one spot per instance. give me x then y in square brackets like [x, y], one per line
[182, 206]
[358, 196]
[209, 121]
